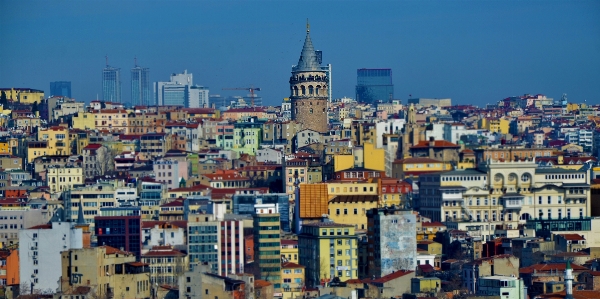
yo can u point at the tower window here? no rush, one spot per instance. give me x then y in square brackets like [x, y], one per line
[311, 110]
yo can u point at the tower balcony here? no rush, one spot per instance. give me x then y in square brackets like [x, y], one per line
[300, 79]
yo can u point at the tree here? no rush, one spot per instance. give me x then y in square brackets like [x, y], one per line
[34, 108]
[3, 100]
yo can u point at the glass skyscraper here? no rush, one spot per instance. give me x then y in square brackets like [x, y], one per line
[111, 84]
[140, 86]
[60, 89]
[373, 85]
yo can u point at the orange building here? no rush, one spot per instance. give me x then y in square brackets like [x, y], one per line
[9, 267]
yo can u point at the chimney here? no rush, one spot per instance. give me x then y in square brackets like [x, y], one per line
[431, 141]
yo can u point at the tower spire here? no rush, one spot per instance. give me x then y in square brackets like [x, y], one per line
[80, 219]
[568, 281]
[307, 26]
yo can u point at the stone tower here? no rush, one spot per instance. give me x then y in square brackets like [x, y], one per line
[410, 135]
[309, 89]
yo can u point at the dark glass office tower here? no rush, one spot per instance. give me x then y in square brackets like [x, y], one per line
[111, 84]
[373, 85]
[140, 86]
[60, 89]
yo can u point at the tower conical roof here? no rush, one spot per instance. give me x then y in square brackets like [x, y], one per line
[308, 58]
[80, 219]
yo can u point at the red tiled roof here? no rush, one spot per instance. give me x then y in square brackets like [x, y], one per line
[416, 160]
[42, 226]
[436, 143]
[165, 224]
[169, 252]
[258, 283]
[93, 146]
[291, 265]
[112, 250]
[572, 237]
[547, 267]
[435, 223]
[289, 242]
[390, 276]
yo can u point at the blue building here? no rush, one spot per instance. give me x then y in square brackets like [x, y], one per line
[243, 204]
[60, 89]
[111, 84]
[374, 85]
[141, 92]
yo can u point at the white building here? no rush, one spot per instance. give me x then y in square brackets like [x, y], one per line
[181, 91]
[389, 126]
[504, 193]
[40, 250]
[160, 233]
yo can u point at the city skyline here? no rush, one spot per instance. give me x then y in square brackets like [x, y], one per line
[472, 52]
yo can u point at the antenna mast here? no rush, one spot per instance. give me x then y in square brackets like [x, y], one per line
[135, 61]
[106, 57]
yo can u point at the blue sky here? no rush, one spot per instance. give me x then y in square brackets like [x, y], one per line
[475, 52]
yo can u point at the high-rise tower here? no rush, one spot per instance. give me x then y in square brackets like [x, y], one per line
[309, 89]
[140, 86]
[373, 85]
[111, 84]
[60, 89]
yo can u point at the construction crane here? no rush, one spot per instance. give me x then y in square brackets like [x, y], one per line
[250, 89]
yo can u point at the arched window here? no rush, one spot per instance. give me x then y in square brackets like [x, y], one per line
[311, 90]
[303, 90]
[296, 90]
[311, 110]
[318, 90]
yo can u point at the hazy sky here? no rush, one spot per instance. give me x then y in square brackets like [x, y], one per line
[472, 51]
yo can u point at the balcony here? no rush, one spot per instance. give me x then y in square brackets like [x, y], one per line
[512, 201]
[452, 193]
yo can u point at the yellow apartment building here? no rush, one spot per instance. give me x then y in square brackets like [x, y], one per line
[292, 276]
[24, 95]
[289, 250]
[352, 209]
[63, 178]
[295, 169]
[58, 138]
[374, 158]
[335, 188]
[4, 147]
[343, 162]
[498, 125]
[335, 244]
[413, 167]
[111, 272]
[84, 121]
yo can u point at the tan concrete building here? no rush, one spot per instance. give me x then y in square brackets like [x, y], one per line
[111, 272]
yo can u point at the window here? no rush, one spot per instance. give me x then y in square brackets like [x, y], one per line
[355, 211]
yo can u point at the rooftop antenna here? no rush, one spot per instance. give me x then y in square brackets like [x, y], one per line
[135, 61]
[106, 57]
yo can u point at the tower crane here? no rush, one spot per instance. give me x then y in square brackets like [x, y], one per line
[250, 89]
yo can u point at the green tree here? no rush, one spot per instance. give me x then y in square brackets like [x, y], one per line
[34, 108]
[3, 100]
